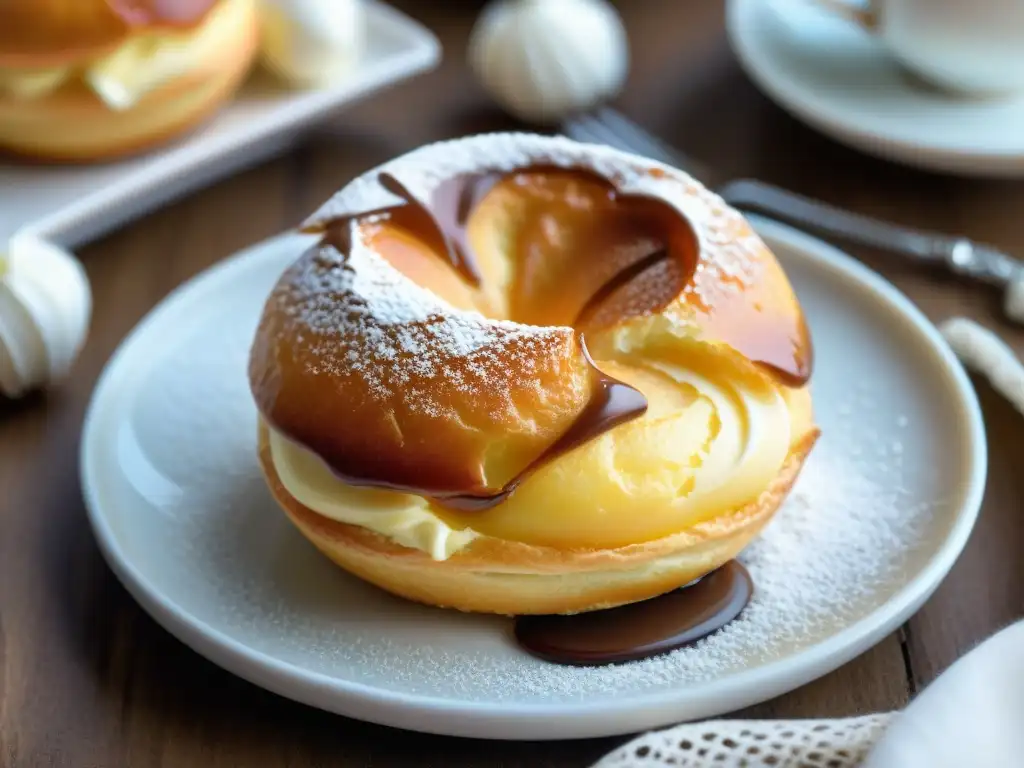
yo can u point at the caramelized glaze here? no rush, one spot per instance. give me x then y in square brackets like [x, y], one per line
[655, 255]
[640, 630]
[619, 281]
[646, 281]
[448, 212]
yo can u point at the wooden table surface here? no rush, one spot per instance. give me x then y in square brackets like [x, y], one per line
[88, 679]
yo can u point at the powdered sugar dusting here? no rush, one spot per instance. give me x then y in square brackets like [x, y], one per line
[367, 288]
[356, 315]
[730, 255]
[360, 321]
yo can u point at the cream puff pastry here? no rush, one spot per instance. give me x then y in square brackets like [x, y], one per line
[521, 375]
[90, 79]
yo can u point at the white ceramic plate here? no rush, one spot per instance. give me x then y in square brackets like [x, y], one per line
[69, 204]
[839, 79]
[180, 511]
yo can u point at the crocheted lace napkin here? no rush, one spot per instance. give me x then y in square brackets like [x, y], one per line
[972, 716]
[753, 744]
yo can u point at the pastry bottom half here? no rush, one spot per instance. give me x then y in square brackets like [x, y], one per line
[507, 577]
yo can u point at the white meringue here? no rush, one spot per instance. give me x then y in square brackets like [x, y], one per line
[545, 59]
[983, 351]
[45, 306]
[311, 42]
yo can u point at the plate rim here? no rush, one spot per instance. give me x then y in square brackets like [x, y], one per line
[974, 162]
[563, 720]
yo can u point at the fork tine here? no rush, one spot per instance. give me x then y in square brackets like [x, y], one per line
[593, 130]
[574, 129]
[606, 126]
[639, 140]
[584, 127]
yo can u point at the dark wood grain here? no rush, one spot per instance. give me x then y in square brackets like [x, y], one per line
[88, 679]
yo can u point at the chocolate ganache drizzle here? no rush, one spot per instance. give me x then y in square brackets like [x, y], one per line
[640, 630]
[451, 204]
[442, 219]
[448, 212]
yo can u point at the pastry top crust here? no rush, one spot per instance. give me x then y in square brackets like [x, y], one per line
[377, 355]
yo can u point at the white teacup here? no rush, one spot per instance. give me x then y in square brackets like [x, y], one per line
[969, 46]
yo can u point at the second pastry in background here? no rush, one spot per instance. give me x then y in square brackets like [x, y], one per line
[93, 79]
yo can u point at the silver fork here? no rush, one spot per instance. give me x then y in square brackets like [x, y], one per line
[958, 254]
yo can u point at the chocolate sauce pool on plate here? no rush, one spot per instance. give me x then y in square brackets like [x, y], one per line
[640, 630]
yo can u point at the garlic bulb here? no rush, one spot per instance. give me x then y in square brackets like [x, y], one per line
[311, 42]
[45, 304]
[545, 59]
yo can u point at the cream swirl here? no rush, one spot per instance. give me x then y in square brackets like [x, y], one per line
[404, 518]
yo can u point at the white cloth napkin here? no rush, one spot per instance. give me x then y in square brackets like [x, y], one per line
[972, 716]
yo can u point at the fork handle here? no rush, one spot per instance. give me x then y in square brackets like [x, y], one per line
[956, 253]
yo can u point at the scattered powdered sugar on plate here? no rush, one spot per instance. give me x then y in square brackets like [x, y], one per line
[836, 548]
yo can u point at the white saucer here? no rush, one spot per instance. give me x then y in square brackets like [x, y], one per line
[180, 511]
[837, 78]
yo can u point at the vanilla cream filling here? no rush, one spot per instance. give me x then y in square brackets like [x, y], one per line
[707, 444]
[654, 476]
[749, 449]
[139, 66]
[404, 518]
